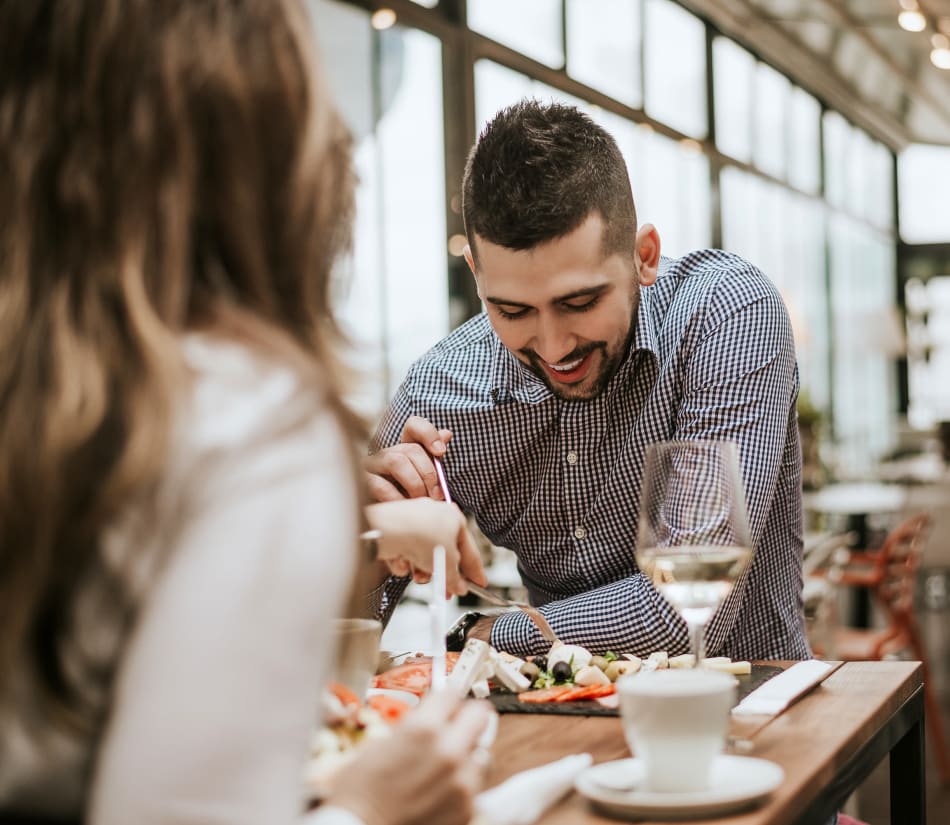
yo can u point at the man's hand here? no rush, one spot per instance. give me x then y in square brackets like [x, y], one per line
[482, 629]
[405, 470]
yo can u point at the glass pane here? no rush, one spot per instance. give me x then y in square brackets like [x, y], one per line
[413, 180]
[783, 234]
[497, 86]
[733, 78]
[928, 358]
[858, 171]
[603, 49]
[739, 195]
[532, 27]
[631, 138]
[772, 91]
[804, 156]
[866, 340]
[675, 68]
[836, 131]
[675, 194]
[882, 187]
[399, 232]
[923, 177]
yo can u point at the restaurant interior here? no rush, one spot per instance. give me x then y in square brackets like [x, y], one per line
[811, 137]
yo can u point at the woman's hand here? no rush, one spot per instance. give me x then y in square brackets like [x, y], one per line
[412, 527]
[424, 772]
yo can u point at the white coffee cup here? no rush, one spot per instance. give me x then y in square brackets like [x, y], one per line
[676, 722]
[357, 653]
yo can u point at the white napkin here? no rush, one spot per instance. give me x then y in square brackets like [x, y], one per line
[780, 691]
[524, 797]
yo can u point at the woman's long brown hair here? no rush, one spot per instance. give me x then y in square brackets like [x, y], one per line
[161, 162]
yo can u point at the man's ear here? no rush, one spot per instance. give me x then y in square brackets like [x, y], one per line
[648, 253]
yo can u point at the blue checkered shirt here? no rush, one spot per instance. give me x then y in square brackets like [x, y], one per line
[558, 482]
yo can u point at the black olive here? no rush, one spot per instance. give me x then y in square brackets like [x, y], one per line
[561, 672]
[541, 662]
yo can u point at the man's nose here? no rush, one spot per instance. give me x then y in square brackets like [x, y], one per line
[553, 339]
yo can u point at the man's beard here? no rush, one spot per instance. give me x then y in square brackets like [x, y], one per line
[608, 368]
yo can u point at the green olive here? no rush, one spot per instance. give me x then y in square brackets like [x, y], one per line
[600, 661]
[531, 671]
[613, 671]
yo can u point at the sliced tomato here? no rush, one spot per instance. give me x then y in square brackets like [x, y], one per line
[414, 675]
[586, 692]
[389, 708]
[548, 694]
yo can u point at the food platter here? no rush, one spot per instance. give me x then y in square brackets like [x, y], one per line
[585, 687]
[505, 702]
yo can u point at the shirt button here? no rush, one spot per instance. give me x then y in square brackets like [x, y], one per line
[580, 533]
[572, 458]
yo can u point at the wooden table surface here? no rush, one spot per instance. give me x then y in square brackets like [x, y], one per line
[826, 743]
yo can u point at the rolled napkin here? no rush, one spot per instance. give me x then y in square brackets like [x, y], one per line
[780, 691]
[522, 799]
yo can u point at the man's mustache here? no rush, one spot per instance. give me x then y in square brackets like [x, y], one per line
[579, 352]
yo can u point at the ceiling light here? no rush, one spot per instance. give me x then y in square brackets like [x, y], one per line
[940, 56]
[382, 19]
[912, 21]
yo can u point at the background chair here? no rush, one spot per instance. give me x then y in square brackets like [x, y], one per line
[890, 574]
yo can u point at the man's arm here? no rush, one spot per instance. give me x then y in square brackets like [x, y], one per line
[626, 616]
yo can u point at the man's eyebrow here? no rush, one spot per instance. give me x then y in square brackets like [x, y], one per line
[505, 302]
[586, 292]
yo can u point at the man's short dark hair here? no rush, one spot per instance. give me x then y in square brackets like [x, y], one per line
[538, 171]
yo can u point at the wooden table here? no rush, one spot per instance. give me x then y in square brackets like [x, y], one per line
[827, 743]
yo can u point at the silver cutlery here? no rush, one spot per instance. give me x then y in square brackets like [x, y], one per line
[532, 613]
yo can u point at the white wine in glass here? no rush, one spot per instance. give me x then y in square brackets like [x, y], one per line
[693, 539]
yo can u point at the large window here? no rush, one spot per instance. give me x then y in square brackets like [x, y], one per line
[603, 48]
[532, 27]
[733, 76]
[866, 339]
[783, 234]
[393, 293]
[675, 68]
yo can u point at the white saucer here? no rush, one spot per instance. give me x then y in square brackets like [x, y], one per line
[405, 695]
[737, 782]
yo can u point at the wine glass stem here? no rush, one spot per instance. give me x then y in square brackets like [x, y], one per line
[697, 632]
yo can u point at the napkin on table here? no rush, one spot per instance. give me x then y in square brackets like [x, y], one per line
[780, 691]
[522, 799]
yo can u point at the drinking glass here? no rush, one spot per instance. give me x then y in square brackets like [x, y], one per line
[693, 539]
[357, 653]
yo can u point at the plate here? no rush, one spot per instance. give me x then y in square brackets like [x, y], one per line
[404, 695]
[737, 782]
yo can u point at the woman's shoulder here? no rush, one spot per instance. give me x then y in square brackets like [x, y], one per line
[239, 393]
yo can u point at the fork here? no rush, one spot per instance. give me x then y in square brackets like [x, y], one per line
[547, 632]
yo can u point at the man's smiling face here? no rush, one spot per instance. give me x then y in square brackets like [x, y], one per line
[562, 308]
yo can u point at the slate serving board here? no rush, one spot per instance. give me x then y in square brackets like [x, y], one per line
[508, 702]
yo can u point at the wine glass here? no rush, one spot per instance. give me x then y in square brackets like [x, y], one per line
[693, 540]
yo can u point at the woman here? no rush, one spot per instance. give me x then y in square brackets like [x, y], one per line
[177, 480]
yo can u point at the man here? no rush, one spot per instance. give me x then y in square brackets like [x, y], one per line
[592, 347]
